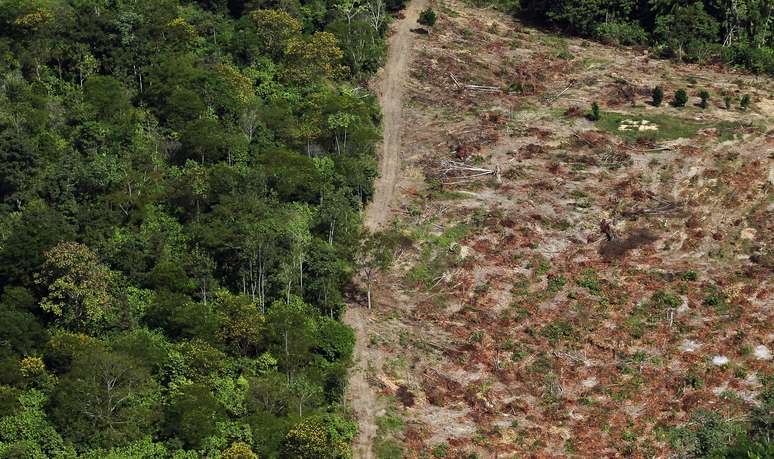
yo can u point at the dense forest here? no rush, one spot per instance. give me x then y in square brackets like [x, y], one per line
[181, 184]
[739, 32]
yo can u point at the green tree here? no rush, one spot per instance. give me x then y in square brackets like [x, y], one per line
[37, 229]
[681, 98]
[324, 436]
[192, 416]
[79, 287]
[687, 30]
[704, 95]
[268, 393]
[182, 318]
[274, 30]
[107, 399]
[305, 392]
[658, 96]
[239, 450]
[29, 433]
[313, 58]
[595, 114]
[290, 333]
[375, 256]
[427, 17]
[21, 331]
[242, 323]
[744, 103]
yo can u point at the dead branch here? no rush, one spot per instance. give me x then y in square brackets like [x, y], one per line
[474, 87]
[552, 99]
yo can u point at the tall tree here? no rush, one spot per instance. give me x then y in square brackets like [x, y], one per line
[80, 288]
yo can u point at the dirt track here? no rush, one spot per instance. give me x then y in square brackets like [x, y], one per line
[391, 99]
[360, 395]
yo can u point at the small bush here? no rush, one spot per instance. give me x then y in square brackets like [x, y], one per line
[395, 5]
[681, 98]
[441, 450]
[427, 17]
[745, 102]
[704, 95]
[658, 96]
[620, 33]
[758, 60]
[594, 115]
[727, 102]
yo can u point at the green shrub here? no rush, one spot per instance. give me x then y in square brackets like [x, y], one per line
[704, 95]
[441, 450]
[595, 114]
[395, 5]
[745, 102]
[757, 60]
[658, 96]
[427, 17]
[681, 98]
[620, 33]
[727, 102]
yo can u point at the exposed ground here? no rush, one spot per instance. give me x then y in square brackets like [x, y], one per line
[566, 288]
[360, 396]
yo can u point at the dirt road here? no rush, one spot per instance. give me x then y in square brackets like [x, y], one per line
[391, 99]
[360, 395]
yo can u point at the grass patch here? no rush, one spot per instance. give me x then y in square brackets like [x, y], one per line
[390, 423]
[437, 255]
[389, 448]
[669, 127]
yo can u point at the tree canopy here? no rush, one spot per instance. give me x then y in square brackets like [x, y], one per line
[181, 184]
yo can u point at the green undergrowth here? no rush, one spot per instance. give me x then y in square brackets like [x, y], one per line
[438, 253]
[669, 127]
[390, 427]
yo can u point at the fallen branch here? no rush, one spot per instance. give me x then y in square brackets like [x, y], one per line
[474, 87]
[456, 83]
[648, 150]
[551, 100]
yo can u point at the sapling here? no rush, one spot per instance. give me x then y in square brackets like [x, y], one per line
[745, 102]
[681, 98]
[704, 95]
[658, 96]
[594, 115]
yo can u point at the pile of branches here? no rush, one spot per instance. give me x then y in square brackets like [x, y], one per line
[655, 205]
[468, 142]
[451, 172]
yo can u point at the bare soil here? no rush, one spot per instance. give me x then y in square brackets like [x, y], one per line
[361, 397]
[577, 301]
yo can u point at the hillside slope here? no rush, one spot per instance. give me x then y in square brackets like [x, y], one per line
[569, 287]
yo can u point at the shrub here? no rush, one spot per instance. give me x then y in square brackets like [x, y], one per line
[705, 95]
[427, 17]
[658, 96]
[681, 98]
[395, 5]
[594, 115]
[758, 60]
[620, 33]
[745, 102]
[727, 102]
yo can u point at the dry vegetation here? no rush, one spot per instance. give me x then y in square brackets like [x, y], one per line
[568, 288]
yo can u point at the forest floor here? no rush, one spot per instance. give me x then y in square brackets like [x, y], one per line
[567, 288]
